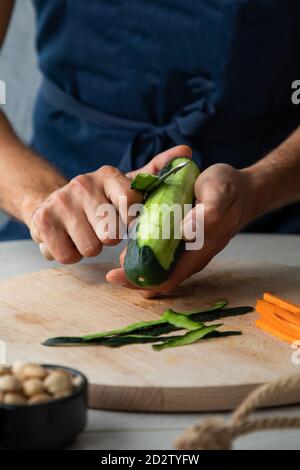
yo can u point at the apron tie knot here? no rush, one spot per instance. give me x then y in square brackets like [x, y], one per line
[183, 128]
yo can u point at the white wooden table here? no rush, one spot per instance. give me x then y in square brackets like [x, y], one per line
[116, 430]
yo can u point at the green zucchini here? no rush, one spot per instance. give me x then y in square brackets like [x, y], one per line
[150, 258]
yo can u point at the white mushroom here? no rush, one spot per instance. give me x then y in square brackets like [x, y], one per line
[63, 393]
[12, 398]
[57, 382]
[9, 383]
[63, 371]
[39, 398]
[32, 371]
[17, 368]
[33, 387]
[77, 381]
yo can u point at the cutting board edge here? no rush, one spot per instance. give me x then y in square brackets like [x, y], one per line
[176, 399]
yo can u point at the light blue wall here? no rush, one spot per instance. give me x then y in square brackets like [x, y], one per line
[19, 70]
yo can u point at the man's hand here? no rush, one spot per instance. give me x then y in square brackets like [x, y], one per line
[66, 223]
[228, 205]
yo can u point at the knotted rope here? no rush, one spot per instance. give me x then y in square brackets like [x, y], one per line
[218, 434]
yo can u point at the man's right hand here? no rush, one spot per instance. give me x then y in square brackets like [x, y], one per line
[65, 224]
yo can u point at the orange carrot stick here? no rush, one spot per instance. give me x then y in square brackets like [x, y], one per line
[263, 306]
[278, 324]
[266, 326]
[279, 302]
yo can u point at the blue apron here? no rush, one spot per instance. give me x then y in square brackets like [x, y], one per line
[126, 79]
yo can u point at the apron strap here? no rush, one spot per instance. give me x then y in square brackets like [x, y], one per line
[148, 139]
[66, 103]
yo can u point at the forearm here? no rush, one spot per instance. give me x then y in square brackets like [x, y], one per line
[26, 179]
[276, 178]
[6, 11]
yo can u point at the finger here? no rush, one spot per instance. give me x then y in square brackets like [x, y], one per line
[45, 251]
[105, 221]
[122, 256]
[86, 195]
[117, 190]
[158, 162]
[188, 264]
[193, 224]
[217, 198]
[34, 234]
[102, 218]
[82, 234]
[61, 246]
[53, 235]
[117, 276]
[108, 230]
[215, 188]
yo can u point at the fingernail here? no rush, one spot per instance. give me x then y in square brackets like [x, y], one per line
[114, 281]
[111, 278]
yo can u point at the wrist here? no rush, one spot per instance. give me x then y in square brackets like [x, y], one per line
[33, 199]
[261, 183]
[29, 205]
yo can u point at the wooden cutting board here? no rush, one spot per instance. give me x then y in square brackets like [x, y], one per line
[209, 375]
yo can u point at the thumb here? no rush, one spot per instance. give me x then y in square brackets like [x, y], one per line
[214, 198]
[191, 223]
[158, 162]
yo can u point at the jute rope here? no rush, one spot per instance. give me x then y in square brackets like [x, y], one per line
[218, 434]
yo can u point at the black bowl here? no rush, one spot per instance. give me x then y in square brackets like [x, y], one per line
[51, 425]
